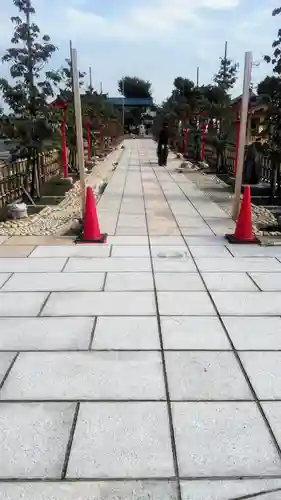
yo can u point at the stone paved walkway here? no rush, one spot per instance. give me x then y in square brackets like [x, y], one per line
[148, 368]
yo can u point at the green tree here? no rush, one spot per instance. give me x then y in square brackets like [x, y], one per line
[227, 74]
[271, 88]
[32, 85]
[27, 96]
[134, 87]
[65, 74]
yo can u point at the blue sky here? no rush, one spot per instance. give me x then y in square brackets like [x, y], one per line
[153, 39]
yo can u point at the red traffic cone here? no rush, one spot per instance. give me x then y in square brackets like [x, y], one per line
[91, 232]
[243, 231]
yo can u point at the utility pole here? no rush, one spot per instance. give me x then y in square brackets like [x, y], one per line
[197, 77]
[91, 81]
[101, 88]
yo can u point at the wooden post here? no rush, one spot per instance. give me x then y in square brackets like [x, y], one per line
[79, 129]
[242, 134]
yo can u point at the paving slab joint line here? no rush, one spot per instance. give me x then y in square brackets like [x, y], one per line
[235, 352]
[252, 279]
[185, 195]
[122, 195]
[70, 441]
[5, 282]
[9, 370]
[65, 264]
[92, 335]
[169, 407]
[43, 305]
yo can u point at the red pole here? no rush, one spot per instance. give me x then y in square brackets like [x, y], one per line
[204, 131]
[64, 146]
[237, 146]
[89, 137]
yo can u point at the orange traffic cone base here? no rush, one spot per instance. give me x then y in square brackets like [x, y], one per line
[102, 239]
[243, 234]
[231, 238]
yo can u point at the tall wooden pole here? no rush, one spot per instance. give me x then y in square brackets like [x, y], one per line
[79, 128]
[242, 135]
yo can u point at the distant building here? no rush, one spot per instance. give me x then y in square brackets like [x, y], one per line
[143, 109]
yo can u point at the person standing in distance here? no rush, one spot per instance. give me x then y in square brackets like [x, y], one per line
[162, 149]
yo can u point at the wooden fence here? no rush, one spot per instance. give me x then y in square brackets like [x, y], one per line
[17, 176]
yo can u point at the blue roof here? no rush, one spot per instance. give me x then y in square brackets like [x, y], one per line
[131, 101]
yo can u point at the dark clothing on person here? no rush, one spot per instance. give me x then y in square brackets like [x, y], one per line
[163, 142]
[164, 137]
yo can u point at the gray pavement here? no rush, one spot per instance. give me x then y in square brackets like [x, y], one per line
[148, 368]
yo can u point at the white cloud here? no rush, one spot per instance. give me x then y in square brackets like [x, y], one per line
[149, 20]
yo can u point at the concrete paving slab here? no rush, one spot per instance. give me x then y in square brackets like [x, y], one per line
[223, 439]
[268, 282]
[39, 240]
[235, 488]
[21, 265]
[99, 304]
[173, 265]
[264, 371]
[40, 334]
[178, 281]
[254, 333]
[205, 376]
[71, 251]
[21, 303]
[248, 303]
[239, 265]
[33, 439]
[193, 332]
[112, 264]
[272, 411]
[129, 281]
[127, 240]
[209, 241]
[55, 282]
[209, 251]
[172, 252]
[134, 435]
[185, 304]
[85, 375]
[85, 490]
[135, 333]
[15, 251]
[130, 251]
[229, 282]
[166, 240]
[197, 231]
